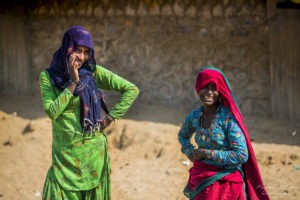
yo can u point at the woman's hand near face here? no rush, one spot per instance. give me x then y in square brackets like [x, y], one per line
[74, 65]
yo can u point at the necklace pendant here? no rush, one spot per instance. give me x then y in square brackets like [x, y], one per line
[203, 137]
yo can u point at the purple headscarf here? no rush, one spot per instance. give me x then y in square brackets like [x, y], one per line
[87, 90]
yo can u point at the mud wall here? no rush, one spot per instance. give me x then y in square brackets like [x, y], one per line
[161, 45]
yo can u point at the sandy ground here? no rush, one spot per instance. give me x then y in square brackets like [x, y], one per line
[145, 154]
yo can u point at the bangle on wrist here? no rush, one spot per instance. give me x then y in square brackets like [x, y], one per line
[110, 118]
[208, 154]
[72, 81]
[76, 82]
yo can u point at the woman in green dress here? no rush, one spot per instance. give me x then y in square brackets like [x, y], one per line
[71, 96]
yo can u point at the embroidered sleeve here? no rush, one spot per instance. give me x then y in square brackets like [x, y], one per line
[107, 80]
[185, 134]
[237, 153]
[53, 104]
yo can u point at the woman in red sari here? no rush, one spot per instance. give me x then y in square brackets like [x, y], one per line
[224, 163]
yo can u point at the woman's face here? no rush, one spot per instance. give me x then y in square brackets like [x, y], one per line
[209, 95]
[81, 54]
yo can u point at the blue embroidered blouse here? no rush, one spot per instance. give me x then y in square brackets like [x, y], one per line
[224, 140]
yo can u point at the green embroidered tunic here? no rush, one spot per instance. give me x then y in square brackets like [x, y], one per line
[80, 162]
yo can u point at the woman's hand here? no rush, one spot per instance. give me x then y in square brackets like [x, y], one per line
[199, 154]
[74, 65]
[191, 157]
[106, 122]
[109, 119]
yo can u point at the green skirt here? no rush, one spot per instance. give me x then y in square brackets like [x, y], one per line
[53, 191]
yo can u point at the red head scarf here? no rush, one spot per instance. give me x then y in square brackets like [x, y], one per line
[253, 180]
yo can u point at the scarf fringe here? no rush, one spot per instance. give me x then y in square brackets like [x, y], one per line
[89, 128]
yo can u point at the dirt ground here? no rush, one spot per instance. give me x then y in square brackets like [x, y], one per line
[145, 154]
